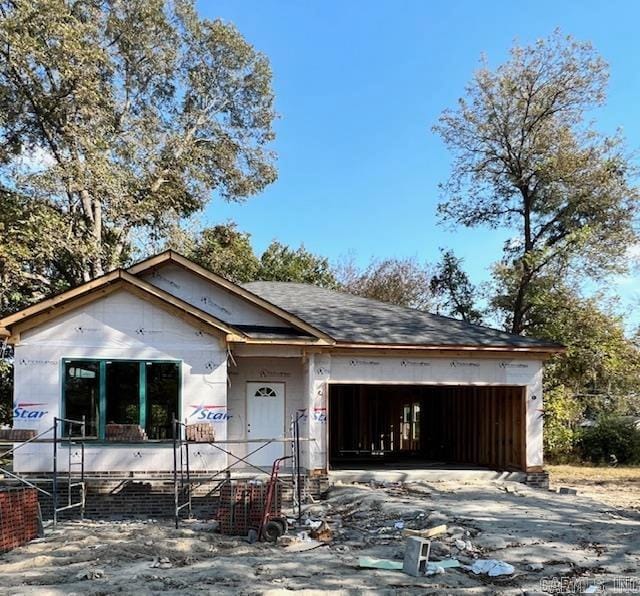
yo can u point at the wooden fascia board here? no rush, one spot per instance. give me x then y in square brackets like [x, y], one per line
[538, 353]
[177, 259]
[62, 308]
[10, 320]
[283, 342]
[143, 290]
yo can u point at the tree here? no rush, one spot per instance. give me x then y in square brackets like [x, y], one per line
[33, 237]
[525, 159]
[451, 285]
[598, 377]
[398, 281]
[227, 252]
[127, 115]
[602, 365]
[6, 387]
[282, 263]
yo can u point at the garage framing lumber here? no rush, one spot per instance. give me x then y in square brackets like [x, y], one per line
[458, 424]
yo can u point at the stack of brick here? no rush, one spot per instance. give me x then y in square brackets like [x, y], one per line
[16, 435]
[125, 432]
[242, 506]
[18, 517]
[200, 432]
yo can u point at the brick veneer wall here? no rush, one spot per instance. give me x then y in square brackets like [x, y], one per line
[18, 517]
[537, 479]
[144, 496]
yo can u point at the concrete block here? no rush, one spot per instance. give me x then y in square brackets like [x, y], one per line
[416, 555]
[567, 491]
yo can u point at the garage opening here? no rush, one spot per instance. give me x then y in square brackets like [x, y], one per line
[425, 425]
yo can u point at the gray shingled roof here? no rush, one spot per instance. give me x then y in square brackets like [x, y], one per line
[349, 318]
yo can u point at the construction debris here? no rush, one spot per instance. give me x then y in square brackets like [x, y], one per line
[506, 544]
[535, 566]
[322, 533]
[428, 533]
[416, 555]
[371, 563]
[492, 567]
[563, 490]
[90, 574]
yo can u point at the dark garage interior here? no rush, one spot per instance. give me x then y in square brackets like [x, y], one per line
[426, 425]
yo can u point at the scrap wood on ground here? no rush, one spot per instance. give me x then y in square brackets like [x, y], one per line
[482, 539]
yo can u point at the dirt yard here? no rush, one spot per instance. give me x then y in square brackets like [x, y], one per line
[544, 536]
[619, 487]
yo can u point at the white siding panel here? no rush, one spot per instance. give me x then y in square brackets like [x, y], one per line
[208, 297]
[119, 326]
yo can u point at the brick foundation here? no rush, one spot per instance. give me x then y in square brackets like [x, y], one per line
[537, 479]
[144, 496]
[18, 517]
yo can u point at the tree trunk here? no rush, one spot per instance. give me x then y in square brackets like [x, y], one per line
[92, 266]
[519, 305]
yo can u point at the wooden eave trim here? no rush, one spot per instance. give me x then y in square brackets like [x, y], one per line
[282, 342]
[62, 308]
[177, 259]
[471, 348]
[140, 288]
[542, 353]
[48, 303]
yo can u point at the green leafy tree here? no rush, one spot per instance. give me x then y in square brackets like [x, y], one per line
[226, 251]
[126, 116]
[33, 239]
[455, 293]
[602, 363]
[282, 263]
[526, 159]
[405, 282]
[6, 388]
[562, 416]
[597, 378]
[612, 437]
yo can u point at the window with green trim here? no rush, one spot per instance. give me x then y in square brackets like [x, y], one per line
[146, 393]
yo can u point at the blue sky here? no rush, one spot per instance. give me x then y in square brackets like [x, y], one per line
[358, 86]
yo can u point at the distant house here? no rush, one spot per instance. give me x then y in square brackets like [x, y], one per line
[376, 385]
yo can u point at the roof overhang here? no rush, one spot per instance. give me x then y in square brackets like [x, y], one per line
[28, 318]
[172, 257]
[533, 352]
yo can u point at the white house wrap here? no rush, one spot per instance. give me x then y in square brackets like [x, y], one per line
[371, 384]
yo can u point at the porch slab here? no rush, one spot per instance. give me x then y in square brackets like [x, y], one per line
[424, 474]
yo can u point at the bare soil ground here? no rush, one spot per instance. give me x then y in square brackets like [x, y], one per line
[572, 536]
[619, 487]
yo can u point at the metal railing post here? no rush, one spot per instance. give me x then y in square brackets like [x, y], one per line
[297, 470]
[186, 448]
[82, 486]
[175, 471]
[55, 471]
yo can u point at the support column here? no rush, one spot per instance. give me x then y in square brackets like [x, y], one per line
[534, 425]
[318, 372]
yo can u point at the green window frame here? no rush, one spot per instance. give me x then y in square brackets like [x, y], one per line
[143, 393]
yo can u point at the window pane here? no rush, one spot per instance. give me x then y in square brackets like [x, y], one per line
[81, 390]
[162, 398]
[123, 393]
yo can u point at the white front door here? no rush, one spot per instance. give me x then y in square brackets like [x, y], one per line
[265, 420]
